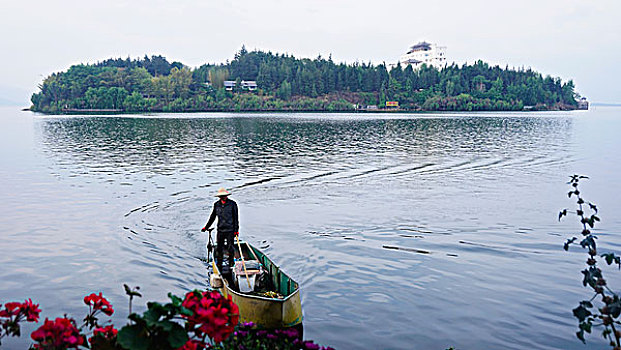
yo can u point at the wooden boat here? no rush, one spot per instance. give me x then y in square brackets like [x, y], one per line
[279, 308]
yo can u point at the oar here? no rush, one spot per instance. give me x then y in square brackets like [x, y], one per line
[241, 254]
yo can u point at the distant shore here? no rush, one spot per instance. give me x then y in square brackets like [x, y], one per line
[75, 111]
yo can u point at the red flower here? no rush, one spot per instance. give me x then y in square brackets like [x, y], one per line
[212, 314]
[58, 334]
[108, 332]
[19, 310]
[98, 302]
[193, 345]
[30, 310]
[10, 309]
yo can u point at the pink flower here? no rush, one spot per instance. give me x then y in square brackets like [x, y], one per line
[310, 345]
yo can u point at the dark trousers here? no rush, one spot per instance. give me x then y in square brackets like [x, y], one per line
[224, 240]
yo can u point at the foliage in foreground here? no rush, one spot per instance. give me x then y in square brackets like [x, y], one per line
[201, 320]
[604, 307]
[287, 83]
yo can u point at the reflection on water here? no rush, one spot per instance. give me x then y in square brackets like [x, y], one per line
[432, 230]
[266, 149]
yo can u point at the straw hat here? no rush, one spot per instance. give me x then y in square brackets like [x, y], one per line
[222, 192]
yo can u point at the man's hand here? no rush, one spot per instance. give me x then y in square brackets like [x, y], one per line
[204, 229]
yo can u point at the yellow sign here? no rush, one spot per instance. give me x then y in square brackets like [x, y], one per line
[392, 103]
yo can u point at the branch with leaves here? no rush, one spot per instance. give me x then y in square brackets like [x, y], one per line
[604, 307]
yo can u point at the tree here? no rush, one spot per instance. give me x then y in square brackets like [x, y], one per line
[180, 80]
[134, 102]
[284, 91]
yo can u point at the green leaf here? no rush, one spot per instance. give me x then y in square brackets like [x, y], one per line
[580, 335]
[568, 242]
[131, 338]
[175, 299]
[561, 214]
[136, 318]
[586, 242]
[606, 332]
[166, 325]
[186, 311]
[177, 336]
[151, 317]
[615, 309]
[581, 313]
[585, 326]
[101, 343]
[130, 292]
[593, 207]
[156, 307]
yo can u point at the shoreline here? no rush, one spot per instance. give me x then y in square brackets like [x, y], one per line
[375, 112]
[353, 111]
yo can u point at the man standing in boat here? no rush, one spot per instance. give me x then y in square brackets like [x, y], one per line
[225, 210]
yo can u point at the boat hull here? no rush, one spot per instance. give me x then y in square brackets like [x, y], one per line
[266, 312]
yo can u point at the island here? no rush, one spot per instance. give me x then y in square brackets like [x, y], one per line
[264, 81]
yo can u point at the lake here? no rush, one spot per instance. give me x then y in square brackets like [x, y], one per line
[404, 230]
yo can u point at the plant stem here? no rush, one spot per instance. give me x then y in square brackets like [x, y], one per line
[614, 331]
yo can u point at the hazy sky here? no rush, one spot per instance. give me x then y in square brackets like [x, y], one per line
[571, 39]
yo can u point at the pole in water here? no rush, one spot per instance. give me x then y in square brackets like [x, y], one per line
[209, 245]
[241, 255]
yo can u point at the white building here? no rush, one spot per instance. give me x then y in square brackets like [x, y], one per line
[250, 85]
[229, 85]
[424, 52]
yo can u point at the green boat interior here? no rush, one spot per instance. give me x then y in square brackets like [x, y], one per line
[260, 277]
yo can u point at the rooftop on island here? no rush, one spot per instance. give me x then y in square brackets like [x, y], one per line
[422, 46]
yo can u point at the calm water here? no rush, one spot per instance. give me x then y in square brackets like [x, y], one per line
[404, 231]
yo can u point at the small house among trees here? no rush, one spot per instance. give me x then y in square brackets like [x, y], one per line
[249, 85]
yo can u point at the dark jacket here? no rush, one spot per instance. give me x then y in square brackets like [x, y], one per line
[227, 216]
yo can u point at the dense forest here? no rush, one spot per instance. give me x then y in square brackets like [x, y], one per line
[286, 83]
